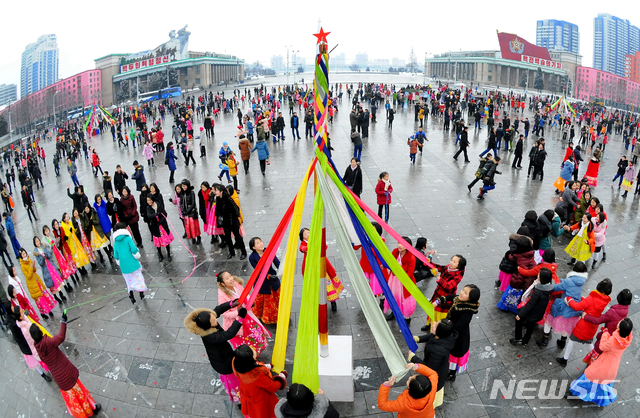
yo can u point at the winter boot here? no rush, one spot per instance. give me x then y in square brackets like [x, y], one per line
[451, 376]
[544, 341]
[561, 342]
[169, 258]
[141, 295]
[334, 306]
[133, 300]
[160, 257]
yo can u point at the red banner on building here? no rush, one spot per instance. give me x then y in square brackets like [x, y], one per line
[513, 47]
[145, 63]
[539, 61]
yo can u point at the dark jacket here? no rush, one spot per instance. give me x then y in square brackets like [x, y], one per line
[188, 203]
[62, 370]
[492, 141]
[322, 408]
[79, 200]
[519, 148]
[436, 355]
[16, 331]
[461, 314]
[534, 309]
[622, 167]
[227, 208]
[130, 213]
[464, 139]
[202, 206]
[119, 180]
[156, 219]
[353, 179]
[115, 211]
[541, 155]
[216, 339]
[138, 176]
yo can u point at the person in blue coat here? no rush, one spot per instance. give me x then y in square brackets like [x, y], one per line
[138, 176]
[263, 154]
[12, 234]
[566, 173]
[101, 209]
[562, 318]
[170, 160]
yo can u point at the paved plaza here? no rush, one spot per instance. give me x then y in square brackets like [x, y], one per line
[140, 361]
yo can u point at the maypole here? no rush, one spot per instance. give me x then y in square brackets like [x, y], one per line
[321, 91]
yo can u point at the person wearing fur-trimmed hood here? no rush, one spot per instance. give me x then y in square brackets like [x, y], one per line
[204, 323]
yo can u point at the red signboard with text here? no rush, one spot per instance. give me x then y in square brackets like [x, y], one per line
[145, 63]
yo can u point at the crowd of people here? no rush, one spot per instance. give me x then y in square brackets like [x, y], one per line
[233, 336]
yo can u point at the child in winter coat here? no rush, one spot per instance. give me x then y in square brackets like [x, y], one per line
[233, 169]
[592, 305]
[600, 237]
[204, 323]
[610, 319]
[465, 305]
[413, 149]
[549, 262]
[596, 383]
[447, 284]
[534, 309]
[383, 191]
[147, 152]
[438, 345]
[258, 386]
[417, 400]
[561, 317]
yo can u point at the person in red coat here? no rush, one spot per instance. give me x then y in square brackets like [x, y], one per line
[383, 192]
[257, 384]
[405, 301]
[79, 401]
[592, 305]
[610, 319]
[95, 163]
[447, 284]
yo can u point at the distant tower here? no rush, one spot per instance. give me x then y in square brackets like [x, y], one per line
[413, 63]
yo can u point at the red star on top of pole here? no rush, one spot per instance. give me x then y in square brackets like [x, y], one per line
[322, 36]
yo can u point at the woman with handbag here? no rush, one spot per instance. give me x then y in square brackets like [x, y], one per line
[519, 283]
[268, 299]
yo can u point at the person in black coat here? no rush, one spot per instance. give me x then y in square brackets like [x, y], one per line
[437, 349]
[531, 222]
[464, 143]
[517, 161]
[28, 203]
[622, 168]
[533, 310]
[464, 306]
[228, 211]
[79, 198]
[353, 177]
[114, 208]
[120, 179]
[15, 315]
[301, 403]
[204, 323]
[538, 163]
[188, 205]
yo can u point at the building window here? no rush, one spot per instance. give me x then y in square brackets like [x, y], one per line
[490, 69]
[198, 70]
[197, 81]
[489, 78]
[183, 71]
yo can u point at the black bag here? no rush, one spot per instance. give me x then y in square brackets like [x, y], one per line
[219, 221]
[507, 266]
[166, 158]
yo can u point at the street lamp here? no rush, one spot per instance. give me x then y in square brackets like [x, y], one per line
[295, 52]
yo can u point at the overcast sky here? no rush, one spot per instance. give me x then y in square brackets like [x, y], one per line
[258, 30]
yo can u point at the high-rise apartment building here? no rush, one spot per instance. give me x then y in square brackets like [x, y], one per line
[558, 35]
[613, 39]
[8, 93]
[632, 67]
[39, 67]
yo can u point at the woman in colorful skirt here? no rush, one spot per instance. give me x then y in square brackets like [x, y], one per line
[561, 317]
[126, 255]
[266, 304]
[93, 230]
[50, 275]
[67, 269]
[175, 200]
[19, 325]
[334, 285]
[204, 323]
[157, 218]
[18, 296]
[368, 271]
[463, 307]
[188, 204]
[593, 168]
[38, 291]
[610, 319]
[78, 250]
[253, 333]
[403, 298]
[80, 403]
[628, 179]
[584, 243]
[596, 383]
[68, 242]
[447, 284]
[83, 238]
[206, 202]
